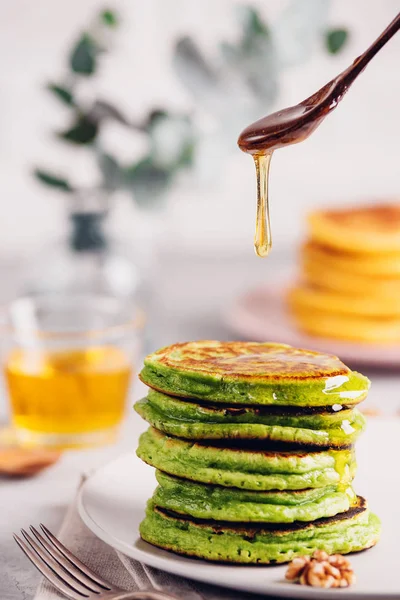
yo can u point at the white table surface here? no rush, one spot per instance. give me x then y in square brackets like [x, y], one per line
[191, 293]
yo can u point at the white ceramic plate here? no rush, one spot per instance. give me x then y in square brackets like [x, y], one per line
[261, 315]
[112, 504]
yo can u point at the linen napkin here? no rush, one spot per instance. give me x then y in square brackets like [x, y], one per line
[128, 574]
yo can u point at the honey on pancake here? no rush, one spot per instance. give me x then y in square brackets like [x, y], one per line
[343, 470]
[295, 124]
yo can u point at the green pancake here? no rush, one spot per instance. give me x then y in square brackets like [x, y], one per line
[219, 503]
[354, 530]
[245, 468]
[251, 373]
[195, 421]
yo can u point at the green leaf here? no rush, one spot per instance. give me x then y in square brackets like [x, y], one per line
[62, 93]
[335, 39]
[253, 29]
[104, 110]
[187, 157]
[171, 138]
[154, 116]
[194, 70]
[52, 180]
[83, 132]
[83, 56]
[109, 18]
[147, 181]
[110, 170]
[254, 24]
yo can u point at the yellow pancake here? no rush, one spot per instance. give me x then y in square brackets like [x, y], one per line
[374, 265]
[366, 229]
[349, 328]
[338, 280]
[308, 298]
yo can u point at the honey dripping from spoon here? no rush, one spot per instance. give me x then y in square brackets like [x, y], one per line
[293, 125]
[262, 236]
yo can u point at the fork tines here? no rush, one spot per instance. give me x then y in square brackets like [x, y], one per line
[60, 566]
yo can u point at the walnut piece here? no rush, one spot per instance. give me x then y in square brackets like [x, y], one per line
[297, 567]
[321, 570]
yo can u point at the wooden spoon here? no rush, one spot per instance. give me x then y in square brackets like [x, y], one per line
[294, 124]
[25, 462]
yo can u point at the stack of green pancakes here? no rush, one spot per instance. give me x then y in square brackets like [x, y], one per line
[254, 450]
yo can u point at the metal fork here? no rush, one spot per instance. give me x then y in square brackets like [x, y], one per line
[69, 575]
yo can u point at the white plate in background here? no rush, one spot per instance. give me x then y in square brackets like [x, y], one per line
[261, 315]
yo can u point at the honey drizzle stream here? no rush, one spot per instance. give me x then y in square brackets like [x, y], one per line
[262, 236]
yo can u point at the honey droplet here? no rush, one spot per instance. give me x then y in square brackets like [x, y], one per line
[262, 237]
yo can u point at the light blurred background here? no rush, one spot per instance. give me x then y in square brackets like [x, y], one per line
[141, 133]
[143, 202]
[144, 196]
[353, 156]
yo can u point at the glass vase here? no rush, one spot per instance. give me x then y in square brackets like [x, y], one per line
[87, 260]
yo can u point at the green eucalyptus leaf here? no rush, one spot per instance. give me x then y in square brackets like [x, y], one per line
[83, 131]
[147, 181]
[109, 18]
[62, 93]
[253, 61]
[83, 56]
[253, 25]
[171, 140]
[155, 115]
[186, 158]
[194, 70]
[104, 110]
[298, 30]
[335, 39]
[253, 30]
[231, 53]
[110, 170]
[52, 180]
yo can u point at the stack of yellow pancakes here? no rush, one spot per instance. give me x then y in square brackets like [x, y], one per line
[350, 275]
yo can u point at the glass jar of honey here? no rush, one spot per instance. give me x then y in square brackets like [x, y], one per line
[68, 362]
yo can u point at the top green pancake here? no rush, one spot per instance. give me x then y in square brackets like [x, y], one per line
[252, 373]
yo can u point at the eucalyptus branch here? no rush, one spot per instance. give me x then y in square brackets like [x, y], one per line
[246, 72]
